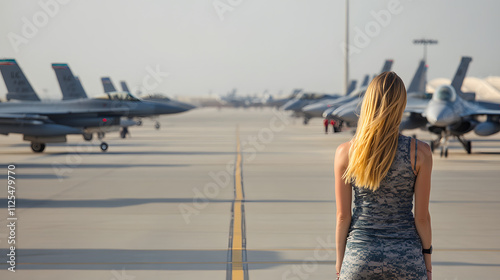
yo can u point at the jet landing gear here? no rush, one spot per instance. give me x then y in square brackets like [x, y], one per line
[157, 125]
[466, 144]
[87, 136]
[124, 132]
[37, 147]
[443, 143]
[40, 147]
[104, 146]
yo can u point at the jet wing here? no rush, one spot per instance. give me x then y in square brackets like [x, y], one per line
[33, 126]
[416, 105]
[489, 112]
[23, 119]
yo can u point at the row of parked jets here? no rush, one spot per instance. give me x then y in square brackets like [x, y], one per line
[42, 122]
[447, 113]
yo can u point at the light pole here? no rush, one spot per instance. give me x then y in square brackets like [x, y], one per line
[425, 42]
[346, 55]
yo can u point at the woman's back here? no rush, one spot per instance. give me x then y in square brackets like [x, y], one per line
[387, 212]
[382, 239]
[383, 242]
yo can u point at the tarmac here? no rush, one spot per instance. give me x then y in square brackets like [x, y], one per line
[221, 194]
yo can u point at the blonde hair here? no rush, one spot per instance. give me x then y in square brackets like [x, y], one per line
[374, 145]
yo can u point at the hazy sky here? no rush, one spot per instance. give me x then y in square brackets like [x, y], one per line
[253, 45]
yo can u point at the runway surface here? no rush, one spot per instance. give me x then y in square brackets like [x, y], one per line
[230, 194]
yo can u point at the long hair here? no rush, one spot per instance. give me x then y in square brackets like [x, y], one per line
[374, 145]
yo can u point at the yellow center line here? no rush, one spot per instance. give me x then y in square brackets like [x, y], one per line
[237, 272]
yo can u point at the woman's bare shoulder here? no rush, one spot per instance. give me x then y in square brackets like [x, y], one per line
[424, 149]
[424, 153]
[343, 148]
[342, 156]
[342, 153]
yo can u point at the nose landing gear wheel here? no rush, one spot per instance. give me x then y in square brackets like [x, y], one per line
[87, 136]
[157, 125]
[37, 147]
[104, 146]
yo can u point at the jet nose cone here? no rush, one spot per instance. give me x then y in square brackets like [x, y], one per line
[348, 116]
[441, 116]
[183, 105]
[189, 106]
[161, 109]
[328, 113]
[315, 109]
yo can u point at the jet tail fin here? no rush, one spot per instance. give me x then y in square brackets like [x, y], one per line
[295, 93]
[80, 86]
[70, 85]
[124, 86]
[385, 68]
[387, 65]
[352, 87]
[459, 77]
[365, 81]
[107, 85]
[419, 79]
[16, 82]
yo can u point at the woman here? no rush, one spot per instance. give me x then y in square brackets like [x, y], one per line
[382, 239]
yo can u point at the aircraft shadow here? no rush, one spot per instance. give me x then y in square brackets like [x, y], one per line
[98, 152]
[124, 202]
[124, 259]
[93, 165]
[100, 203]
[157, 259]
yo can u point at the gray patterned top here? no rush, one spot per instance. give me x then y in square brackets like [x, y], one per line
[387, 212]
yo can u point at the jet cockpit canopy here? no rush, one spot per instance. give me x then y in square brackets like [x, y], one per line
[118, 95]
[445, 93]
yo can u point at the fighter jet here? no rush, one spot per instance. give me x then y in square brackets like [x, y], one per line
[72, 88]
[50, 122]
[231, 99]
[326, 108]
[348, 113]
[452, 113]
[303, 99]
[281, 101]
[108, 87]
[315, 110]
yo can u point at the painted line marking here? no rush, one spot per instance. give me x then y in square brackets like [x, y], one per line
[237, 238]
